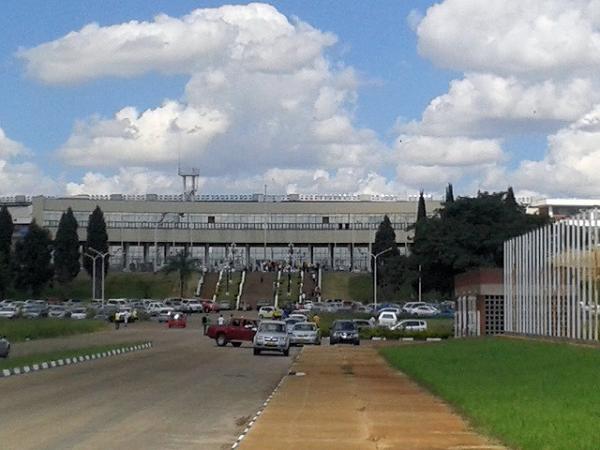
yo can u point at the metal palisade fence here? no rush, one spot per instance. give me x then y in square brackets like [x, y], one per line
[551, 279]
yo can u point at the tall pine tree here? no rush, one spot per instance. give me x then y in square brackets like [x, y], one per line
[6, 231]
[31, 261]
[97, 238]
[66, 249]
[388, 263]
[509, 198]
[421, 211]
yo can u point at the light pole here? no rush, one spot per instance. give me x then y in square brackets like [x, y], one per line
[375, 274]
[93, 258]
[103, 256]
[161, 220]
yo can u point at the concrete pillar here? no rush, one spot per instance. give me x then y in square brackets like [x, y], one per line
[124, 254]
[145, 249]
[248, 262]
[311, 253]
[331, 256]
[206, 255]
[351, 247]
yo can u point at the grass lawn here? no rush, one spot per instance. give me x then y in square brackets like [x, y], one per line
[120, 285]
[21, 361]
[20, 329]
[529, 395]
[347, 286]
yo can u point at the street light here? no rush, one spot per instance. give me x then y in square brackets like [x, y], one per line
[103, 256]
[375, 274]
[93, 258]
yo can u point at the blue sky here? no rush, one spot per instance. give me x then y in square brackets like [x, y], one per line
[395, 119]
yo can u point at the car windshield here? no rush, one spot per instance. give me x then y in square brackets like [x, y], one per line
[344, 326]
[305, 327]
[272, 327]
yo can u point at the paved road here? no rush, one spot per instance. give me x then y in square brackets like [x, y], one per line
[184, 393]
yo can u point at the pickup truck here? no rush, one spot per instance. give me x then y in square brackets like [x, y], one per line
[236, 331]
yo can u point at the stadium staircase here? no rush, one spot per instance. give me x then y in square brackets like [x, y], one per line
[209, 285]
[254, 290]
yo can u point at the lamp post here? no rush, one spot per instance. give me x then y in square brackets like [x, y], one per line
[103, 256]
[375, 274]
[93, 258]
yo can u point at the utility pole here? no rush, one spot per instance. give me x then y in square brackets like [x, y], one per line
[375, 274]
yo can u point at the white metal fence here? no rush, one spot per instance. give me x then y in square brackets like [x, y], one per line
[551, 279]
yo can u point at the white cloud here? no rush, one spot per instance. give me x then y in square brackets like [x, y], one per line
[133, 180]
[20, 177]
[513, 37]
[572, 164]
[256, 37]
[155, 136]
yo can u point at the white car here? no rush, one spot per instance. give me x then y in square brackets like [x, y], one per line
[299, 317]
[268, 312]
[408, 307]
[387, 319]
[396, 311]
[78, 313]
[117, 302]
[154, 306]
[425, 311]
[410, 325]
[8, 312]
[191, 305]
[164, 314]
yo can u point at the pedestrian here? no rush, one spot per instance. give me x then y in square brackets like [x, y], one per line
[221, 320]
[204, 323]
[116, 320]
[316, 319]
[125, 318]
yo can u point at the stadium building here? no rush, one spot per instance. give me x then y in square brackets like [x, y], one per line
[335, 231]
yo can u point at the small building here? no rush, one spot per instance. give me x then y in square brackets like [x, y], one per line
[479, 298]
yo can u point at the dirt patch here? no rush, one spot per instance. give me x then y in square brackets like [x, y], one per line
[354, 400]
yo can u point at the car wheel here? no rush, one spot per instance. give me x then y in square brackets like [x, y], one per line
[318, 342]
[260, 316]
[256, 351]
[357, 342]
[221, 340]
[236, 344]
[331, 341]
[286, 352]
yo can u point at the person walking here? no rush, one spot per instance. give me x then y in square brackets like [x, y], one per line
[221, 320]
[317, 320]
[204, 323]
[116, 320]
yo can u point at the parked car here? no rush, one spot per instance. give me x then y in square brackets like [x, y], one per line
[117, 302]
[408, 307]
[298, 316]
[236, 331]
[32, 311]
[290, 322]
[387, 319]
[305, 333]
[393, 309]
[224, 305]
[8, 312]
[78, 313]
[173, 302]
[163, 314]
[425, 311]
[344, 331]
[269, 312]
[191, 305]
[209, 306]
[57, 312]
[272, 336]
[264, 302]
[4, 347]
[410, 325]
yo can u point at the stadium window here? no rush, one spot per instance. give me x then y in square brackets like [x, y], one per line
[325, 219]
[211, 219]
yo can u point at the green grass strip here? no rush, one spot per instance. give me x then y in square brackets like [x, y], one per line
[530, 395]
[17, 330]
[39, 358]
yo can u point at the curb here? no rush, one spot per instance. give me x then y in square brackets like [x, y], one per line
[73, 360]
[266, 403]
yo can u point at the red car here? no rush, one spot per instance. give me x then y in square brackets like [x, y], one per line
[209, 306]
[236, 331]
[177, 320]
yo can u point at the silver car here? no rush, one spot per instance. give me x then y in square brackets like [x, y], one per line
[272, 336]
[305, 333]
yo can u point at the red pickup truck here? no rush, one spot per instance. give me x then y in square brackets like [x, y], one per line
[236, 331]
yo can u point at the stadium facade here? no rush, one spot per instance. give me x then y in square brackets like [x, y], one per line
[336, 231]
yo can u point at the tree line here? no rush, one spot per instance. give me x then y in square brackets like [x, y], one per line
[464, 234]
[36, 260]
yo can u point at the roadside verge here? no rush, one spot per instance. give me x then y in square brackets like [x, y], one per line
[70, 357]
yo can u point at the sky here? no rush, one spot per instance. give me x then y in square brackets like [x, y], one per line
[337, 96]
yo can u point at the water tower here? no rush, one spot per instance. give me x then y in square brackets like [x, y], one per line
[190, 182]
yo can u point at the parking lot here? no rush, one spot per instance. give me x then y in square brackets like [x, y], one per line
[184, 393]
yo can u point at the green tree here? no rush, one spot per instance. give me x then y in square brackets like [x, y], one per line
[509, 198]
[31, 260]
[183, 265]
[449, 193]
[5, 275]
[421, 211]
[390, 265]
[468, 233]
[97, 238]
[66, 249]
[7, 229]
